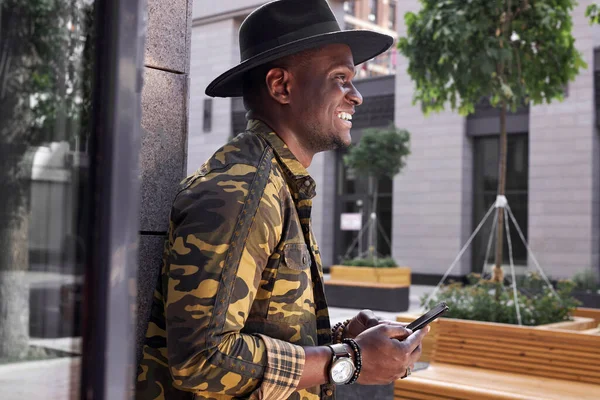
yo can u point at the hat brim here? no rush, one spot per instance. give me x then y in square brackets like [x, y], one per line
[364, 45]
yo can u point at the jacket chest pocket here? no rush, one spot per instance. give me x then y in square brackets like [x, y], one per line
[292, 298]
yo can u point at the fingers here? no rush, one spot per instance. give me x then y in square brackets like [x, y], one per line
[415, 355]
[394, 331]
[368, 318]
[414, 340]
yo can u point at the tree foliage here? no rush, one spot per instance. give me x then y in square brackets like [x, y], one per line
[512, 51]
[45, 84]
[380, 153]
[593, 13]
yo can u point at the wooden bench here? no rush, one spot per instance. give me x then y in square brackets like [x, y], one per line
[478, 361]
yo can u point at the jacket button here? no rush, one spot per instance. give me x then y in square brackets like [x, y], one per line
[306, 183]
[329, 392]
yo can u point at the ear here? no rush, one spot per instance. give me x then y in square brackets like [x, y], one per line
[278, 85]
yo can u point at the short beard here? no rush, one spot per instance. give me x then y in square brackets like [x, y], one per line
[319, 144]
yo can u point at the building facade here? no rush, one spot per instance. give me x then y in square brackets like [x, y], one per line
[430, 210]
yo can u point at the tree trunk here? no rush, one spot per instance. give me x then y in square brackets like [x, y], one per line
[14, 288]
[498, 274]
[373, 221]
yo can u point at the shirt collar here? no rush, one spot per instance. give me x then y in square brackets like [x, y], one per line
[301, 180]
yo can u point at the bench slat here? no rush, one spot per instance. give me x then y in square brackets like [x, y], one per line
[412, 395]
[524, 367]
[573, 343]
[485, 347]
[566, 358]
[475, 383]
[500, 331]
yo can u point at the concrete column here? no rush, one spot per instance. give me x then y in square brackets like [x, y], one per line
[433, 195]
[164, 142]
[563, 171]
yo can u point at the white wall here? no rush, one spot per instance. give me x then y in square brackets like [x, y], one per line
[214, 50]
[563, 176]
[433, 195]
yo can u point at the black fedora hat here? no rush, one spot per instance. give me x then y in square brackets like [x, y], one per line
[285, 27]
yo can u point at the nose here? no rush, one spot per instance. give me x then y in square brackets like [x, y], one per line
[354, 95]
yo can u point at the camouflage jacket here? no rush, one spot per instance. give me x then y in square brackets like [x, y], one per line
[241, 286]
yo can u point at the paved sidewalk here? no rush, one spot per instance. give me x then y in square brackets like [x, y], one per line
[337, 314]
[56, 379]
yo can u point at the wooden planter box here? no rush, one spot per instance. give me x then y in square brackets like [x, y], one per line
[382, 289]
[586, 320]
[588, 313]
[367, 295]
[396, 275]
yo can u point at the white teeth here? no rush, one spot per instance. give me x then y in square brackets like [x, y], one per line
[345, 116]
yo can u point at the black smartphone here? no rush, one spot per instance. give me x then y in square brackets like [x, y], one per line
[429, 316]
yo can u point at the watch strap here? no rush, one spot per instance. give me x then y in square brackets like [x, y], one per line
[339, 350]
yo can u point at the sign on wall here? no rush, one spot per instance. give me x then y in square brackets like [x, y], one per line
[351, 222]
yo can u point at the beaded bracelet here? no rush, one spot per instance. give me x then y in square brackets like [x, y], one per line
[337, 332]
[358, 357]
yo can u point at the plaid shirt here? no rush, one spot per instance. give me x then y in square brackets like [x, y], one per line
[241, 287]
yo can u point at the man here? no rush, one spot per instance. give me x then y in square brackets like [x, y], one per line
[240, 310]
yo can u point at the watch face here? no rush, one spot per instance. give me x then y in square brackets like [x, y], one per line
[342, 370]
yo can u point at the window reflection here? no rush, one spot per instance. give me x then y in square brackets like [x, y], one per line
[486, 152]
[354, 196]
[46, 62]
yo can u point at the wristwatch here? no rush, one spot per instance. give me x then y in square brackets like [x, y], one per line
[342, 367]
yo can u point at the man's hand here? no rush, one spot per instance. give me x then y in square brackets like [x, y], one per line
[364, 320]
[387, 351]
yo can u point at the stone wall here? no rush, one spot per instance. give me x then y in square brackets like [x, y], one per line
[164, 135]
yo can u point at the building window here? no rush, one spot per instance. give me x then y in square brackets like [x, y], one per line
[373, 11]
[350, 7]
[353, 197]
[392, 15]
[207, 116]
[486, 157]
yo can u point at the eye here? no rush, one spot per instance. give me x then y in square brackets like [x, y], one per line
[341, 77]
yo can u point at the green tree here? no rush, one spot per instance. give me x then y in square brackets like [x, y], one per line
[512, 51]
[381, 152]
[42, 95]
[593, 13]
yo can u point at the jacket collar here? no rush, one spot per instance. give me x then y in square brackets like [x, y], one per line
[298, 176]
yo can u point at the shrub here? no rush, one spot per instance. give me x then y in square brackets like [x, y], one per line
[477, 301]
[586, 281]
[371, 262]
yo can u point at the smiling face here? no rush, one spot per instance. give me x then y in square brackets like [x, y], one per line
[323, 98]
